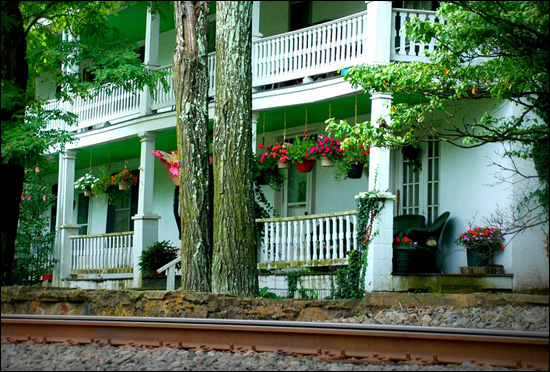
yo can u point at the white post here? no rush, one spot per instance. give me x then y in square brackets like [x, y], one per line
[145, 222]
[151, 56]
[255, 117]
[378, 275]
[66, 227]
[378, 32]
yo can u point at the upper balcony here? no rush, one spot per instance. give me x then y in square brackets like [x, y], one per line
[297, 57]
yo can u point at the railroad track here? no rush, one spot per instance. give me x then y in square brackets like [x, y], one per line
[334, 341]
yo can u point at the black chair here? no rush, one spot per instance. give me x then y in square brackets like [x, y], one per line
[407, 221]
[428, 243]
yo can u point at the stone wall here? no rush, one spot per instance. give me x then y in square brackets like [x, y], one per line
[67, 301]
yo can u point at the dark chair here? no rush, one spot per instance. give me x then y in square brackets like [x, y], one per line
[407, 221]
[428, 243]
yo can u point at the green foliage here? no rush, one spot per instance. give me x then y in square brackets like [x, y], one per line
[300, 149]
[264, 293]
[158, 255]
[485, 49]
[105, 190]
[294, 283]
[266, 172]
[349, 279]
[34, 242]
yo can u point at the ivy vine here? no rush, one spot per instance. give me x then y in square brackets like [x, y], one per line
[349, 279]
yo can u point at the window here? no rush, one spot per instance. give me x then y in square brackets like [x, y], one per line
[300, 14]
[82, 213]
[420, 185]
[119, 217]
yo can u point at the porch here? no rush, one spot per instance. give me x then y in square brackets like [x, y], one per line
[303, 56]
[315, 245]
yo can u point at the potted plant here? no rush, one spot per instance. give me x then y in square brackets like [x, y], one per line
[278, 152]
[86, 183]
[303, 153]
[105, 190]
[156, 256]
[404, 255]
[355, 142]
[328, 150]
[124, 179]
[356, 156]
[482, 244]
[266, 172]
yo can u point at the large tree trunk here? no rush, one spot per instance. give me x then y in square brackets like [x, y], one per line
[191, 87]
[14, 85]
[234, 260]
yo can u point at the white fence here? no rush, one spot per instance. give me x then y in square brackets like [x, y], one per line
[104, 253]
[314, 239]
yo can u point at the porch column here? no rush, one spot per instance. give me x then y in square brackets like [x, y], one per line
[255, 117]
[378, 276]
[151, 56]
[145, 222]
[378, 32]
[256, 35]
[65, 226]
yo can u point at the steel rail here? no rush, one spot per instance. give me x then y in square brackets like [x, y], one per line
[367, 342]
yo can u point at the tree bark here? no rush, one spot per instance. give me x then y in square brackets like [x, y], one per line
[234, 259]
[14, 77]
[191, 90]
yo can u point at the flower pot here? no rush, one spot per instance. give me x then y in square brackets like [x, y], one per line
[476, 257]
[123, 186]
[282, 165]
[404, 260]
[326, 162]
[88, 192]
[356, 170]
[305, 166]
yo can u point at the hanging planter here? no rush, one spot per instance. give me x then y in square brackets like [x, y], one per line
[325, 162]
[88, 192]
[124, 179]
[283, 165]
[85, 183]
[356, 170]
[305, 166]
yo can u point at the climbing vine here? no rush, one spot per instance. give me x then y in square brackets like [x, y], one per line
[349, 280]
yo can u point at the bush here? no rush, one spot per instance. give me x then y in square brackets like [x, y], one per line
[157, 255]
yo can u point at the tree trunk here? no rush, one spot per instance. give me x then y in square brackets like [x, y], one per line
[234, 259]
[191, 87]
[14, 85]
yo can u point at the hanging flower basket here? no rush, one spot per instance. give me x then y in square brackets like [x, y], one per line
[124, 179]
[85, 183]
[356, 170]
[88, 192]
[326, 162]
[305, 166]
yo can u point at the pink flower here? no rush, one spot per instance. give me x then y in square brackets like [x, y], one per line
[37, 169]
[44, 197]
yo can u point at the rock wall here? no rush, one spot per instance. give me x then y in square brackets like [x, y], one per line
[69, 301]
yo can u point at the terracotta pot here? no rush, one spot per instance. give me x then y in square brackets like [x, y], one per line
[305, 166]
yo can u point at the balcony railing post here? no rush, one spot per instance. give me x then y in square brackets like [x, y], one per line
[378, 32]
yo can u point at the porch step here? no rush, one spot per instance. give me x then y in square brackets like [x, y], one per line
[452, 283]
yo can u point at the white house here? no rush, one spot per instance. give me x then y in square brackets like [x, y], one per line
[298, 48]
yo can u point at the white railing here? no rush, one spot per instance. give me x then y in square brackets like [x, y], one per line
[313, 239]
[102, 253]
[311, 51]
[106, 106]
[403, 49]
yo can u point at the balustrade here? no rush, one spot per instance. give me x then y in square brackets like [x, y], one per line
[103, 253]
[308, 52]
[318, 240]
